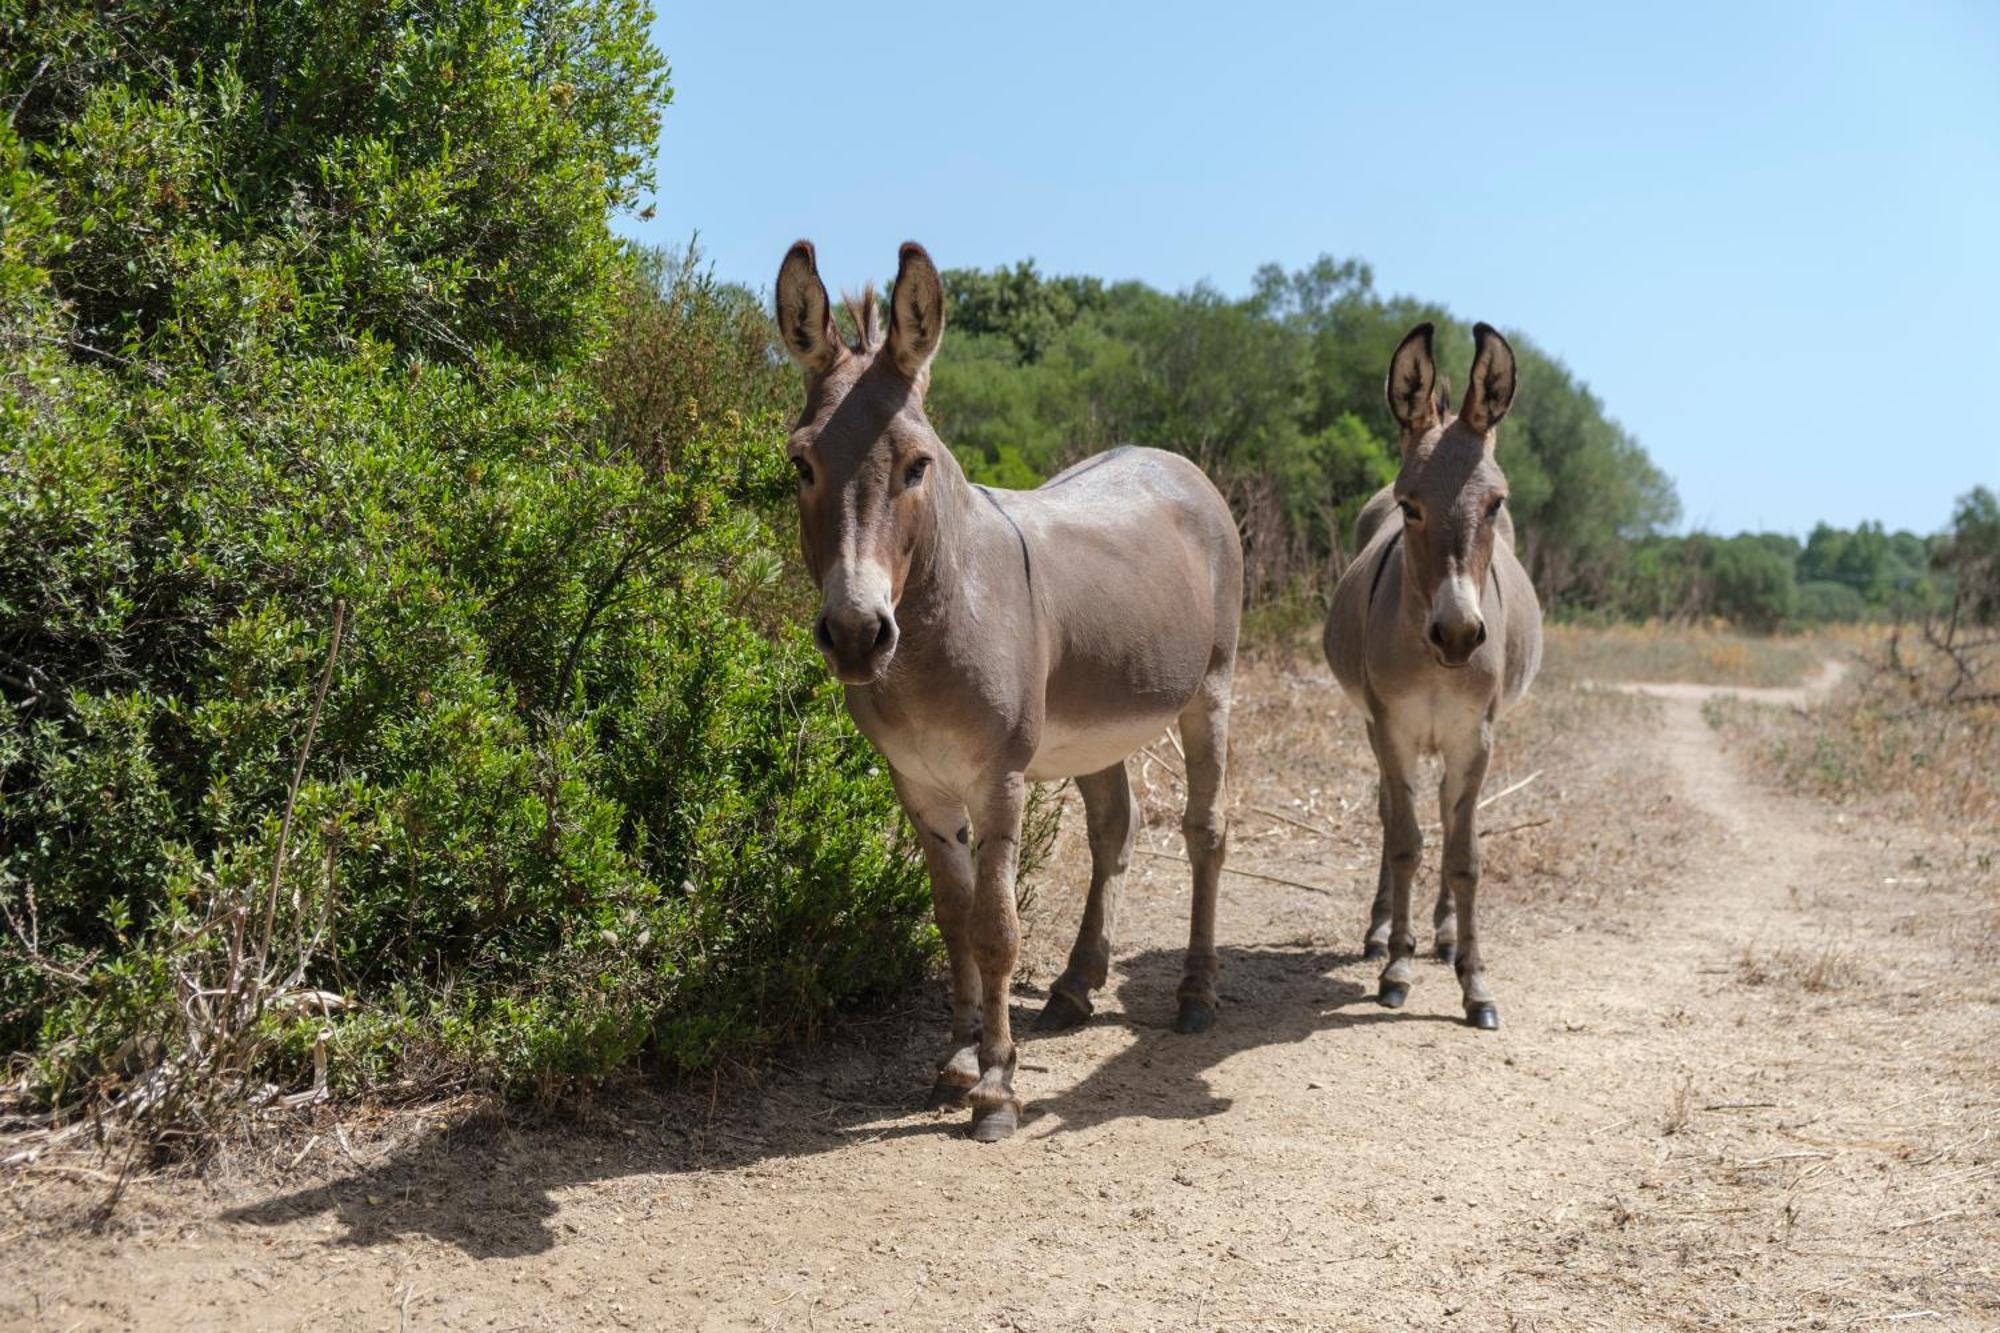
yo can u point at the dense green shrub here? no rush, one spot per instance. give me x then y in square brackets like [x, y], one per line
[305, 308]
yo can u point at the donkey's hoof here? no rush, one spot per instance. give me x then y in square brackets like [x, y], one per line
[1447, 953]
[1392, 994]
[995, 1123]
[1195, 1016]
[1373, 951]
[1483, 1016]
[1061, 1013]
[947, 1094]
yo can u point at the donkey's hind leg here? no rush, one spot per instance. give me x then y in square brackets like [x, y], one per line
[1205, 734]
[1111, 816]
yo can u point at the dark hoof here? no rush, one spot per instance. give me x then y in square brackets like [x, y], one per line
[1392, 995]
[946, 1094]
[1372, 950]
[1447, 954]
[1194, 1017]
[996, 1124]
[1483, 1016]
[1060, 1014]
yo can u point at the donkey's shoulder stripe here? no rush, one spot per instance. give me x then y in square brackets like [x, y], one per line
[1375, 583]
[1027, 570]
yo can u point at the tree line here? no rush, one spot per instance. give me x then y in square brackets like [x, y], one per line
[1278, 394]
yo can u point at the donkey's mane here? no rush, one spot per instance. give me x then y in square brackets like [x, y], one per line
[866, 315]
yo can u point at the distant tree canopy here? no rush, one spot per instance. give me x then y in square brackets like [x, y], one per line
[1279, 395]
[1969, 555]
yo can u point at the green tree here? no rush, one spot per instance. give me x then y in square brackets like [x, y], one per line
[1970, 554]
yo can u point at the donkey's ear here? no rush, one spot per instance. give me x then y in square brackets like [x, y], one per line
[1444, 397]
[805, 316]
[916, 314]
[1491, 391]
[1412, 378]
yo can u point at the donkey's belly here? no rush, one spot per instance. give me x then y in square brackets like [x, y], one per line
[1072, 747]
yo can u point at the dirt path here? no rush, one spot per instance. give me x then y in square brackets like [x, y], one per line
[1745, 1075]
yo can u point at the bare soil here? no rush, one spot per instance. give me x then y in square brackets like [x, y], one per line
[1745, 1077]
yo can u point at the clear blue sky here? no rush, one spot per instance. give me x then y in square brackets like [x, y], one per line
[1767, 235]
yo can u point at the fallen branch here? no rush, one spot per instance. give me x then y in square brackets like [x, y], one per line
[1498, 795]
[1284, 818]
[1946, 1215]
[1516, 828]
[1509, 791]
[1247, 874]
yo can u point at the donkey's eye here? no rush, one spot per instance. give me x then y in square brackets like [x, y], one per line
[804, 469]
[1493, 506]
[913, 475]
[1409, 511]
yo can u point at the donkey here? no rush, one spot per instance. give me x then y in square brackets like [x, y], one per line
[1435, 632]
[991, 638]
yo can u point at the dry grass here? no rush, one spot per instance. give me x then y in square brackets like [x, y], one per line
[1699, 655]
[1888, 741]
[1829, 967]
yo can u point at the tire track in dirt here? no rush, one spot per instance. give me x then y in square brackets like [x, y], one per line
[1681, 1123]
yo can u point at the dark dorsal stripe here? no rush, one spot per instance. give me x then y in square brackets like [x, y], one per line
[1027, 571]
[1383, 564]
[1093, 464]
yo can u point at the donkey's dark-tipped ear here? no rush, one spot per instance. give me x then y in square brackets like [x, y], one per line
[1491, 391]
[916, 314]
[805, 316]
[1412, 378]
[1443, 398]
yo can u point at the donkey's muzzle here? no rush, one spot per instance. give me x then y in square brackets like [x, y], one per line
[1455, 643]
[856, 641]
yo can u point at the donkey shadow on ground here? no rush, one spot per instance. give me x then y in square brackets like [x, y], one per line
[1279, 996]
[488, 1181]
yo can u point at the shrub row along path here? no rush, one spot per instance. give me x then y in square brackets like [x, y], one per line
[1744, 1076]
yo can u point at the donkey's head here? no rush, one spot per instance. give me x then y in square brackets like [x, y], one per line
[869, 463]
[1450, 488]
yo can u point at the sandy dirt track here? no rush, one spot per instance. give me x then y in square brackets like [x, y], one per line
[1745, 1078]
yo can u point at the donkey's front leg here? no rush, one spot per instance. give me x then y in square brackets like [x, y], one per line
[996, 944]
[1402, 849]
[1444, 916]
[1464, 774]
[943, 829]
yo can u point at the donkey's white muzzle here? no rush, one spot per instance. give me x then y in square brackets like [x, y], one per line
[856, 627]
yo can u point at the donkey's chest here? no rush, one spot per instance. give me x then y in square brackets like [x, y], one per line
[1438, 714]
[960, 750]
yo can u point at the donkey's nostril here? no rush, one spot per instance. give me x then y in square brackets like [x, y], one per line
[1437, 634]
[1480, 637]
[822, 638]
[883, 627]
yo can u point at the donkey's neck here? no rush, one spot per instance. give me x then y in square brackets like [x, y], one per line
[975, 553]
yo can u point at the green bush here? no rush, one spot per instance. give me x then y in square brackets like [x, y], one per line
[310, 309]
